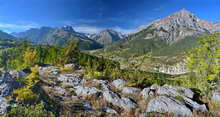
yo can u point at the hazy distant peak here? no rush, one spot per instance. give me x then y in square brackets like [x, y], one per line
[107, 36]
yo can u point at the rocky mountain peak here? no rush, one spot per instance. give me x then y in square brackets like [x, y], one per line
[184, 13]
[68, 28]
[182, 18]
[176, 26]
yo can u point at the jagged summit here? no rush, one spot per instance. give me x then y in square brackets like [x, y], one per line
[184, 12]
[184, 15]
[177, 26]
[180, 17]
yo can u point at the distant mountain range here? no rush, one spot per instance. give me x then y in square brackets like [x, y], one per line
[60, 36]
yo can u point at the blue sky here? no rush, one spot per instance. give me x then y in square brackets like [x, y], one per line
[95, 15]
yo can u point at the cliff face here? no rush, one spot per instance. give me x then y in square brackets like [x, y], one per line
[177, 69]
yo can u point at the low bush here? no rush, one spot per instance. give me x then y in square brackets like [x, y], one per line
[37, 110]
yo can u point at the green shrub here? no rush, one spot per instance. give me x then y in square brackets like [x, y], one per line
[29, 111]
[204, 62]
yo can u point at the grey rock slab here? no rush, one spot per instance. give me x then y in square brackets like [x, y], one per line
[175, 91]
[73, 79]
[131, 90]
[53, 70]
[114, 98]
[154, 87]
[103, 83]
[109, 110]
[72, 66]
[163, 104]
[86, 91]
[195, 105]
[119, 84]
[3, 105]
[17, 74]
[145, 93]
[216, 96]
[8, 84]
[182, 90]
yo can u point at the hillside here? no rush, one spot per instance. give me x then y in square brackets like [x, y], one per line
[7, 43]
[5, 35]
[6, 40]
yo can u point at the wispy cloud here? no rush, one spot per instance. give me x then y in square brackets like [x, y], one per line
[88, 29]
[92, 29]
[8, 27]
[122, 30]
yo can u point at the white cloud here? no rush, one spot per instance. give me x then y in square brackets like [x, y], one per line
[88, 29]
[122, 30]
[91, 29]
[7, 27]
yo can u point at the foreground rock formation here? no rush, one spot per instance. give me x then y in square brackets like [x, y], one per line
[76, 95]
[114, 98]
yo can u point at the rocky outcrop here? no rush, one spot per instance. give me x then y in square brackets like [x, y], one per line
[176, 69]
[3, 105]
[175, 91]
[145, 93]
[182, 93]
[103, 83]
[131, 90]
[71, 79]
[71, 66]
[119, 84]
[163, 104]
[49, 70]
[8, 83]
[86, 91]
[113, 98]
[76, 95]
